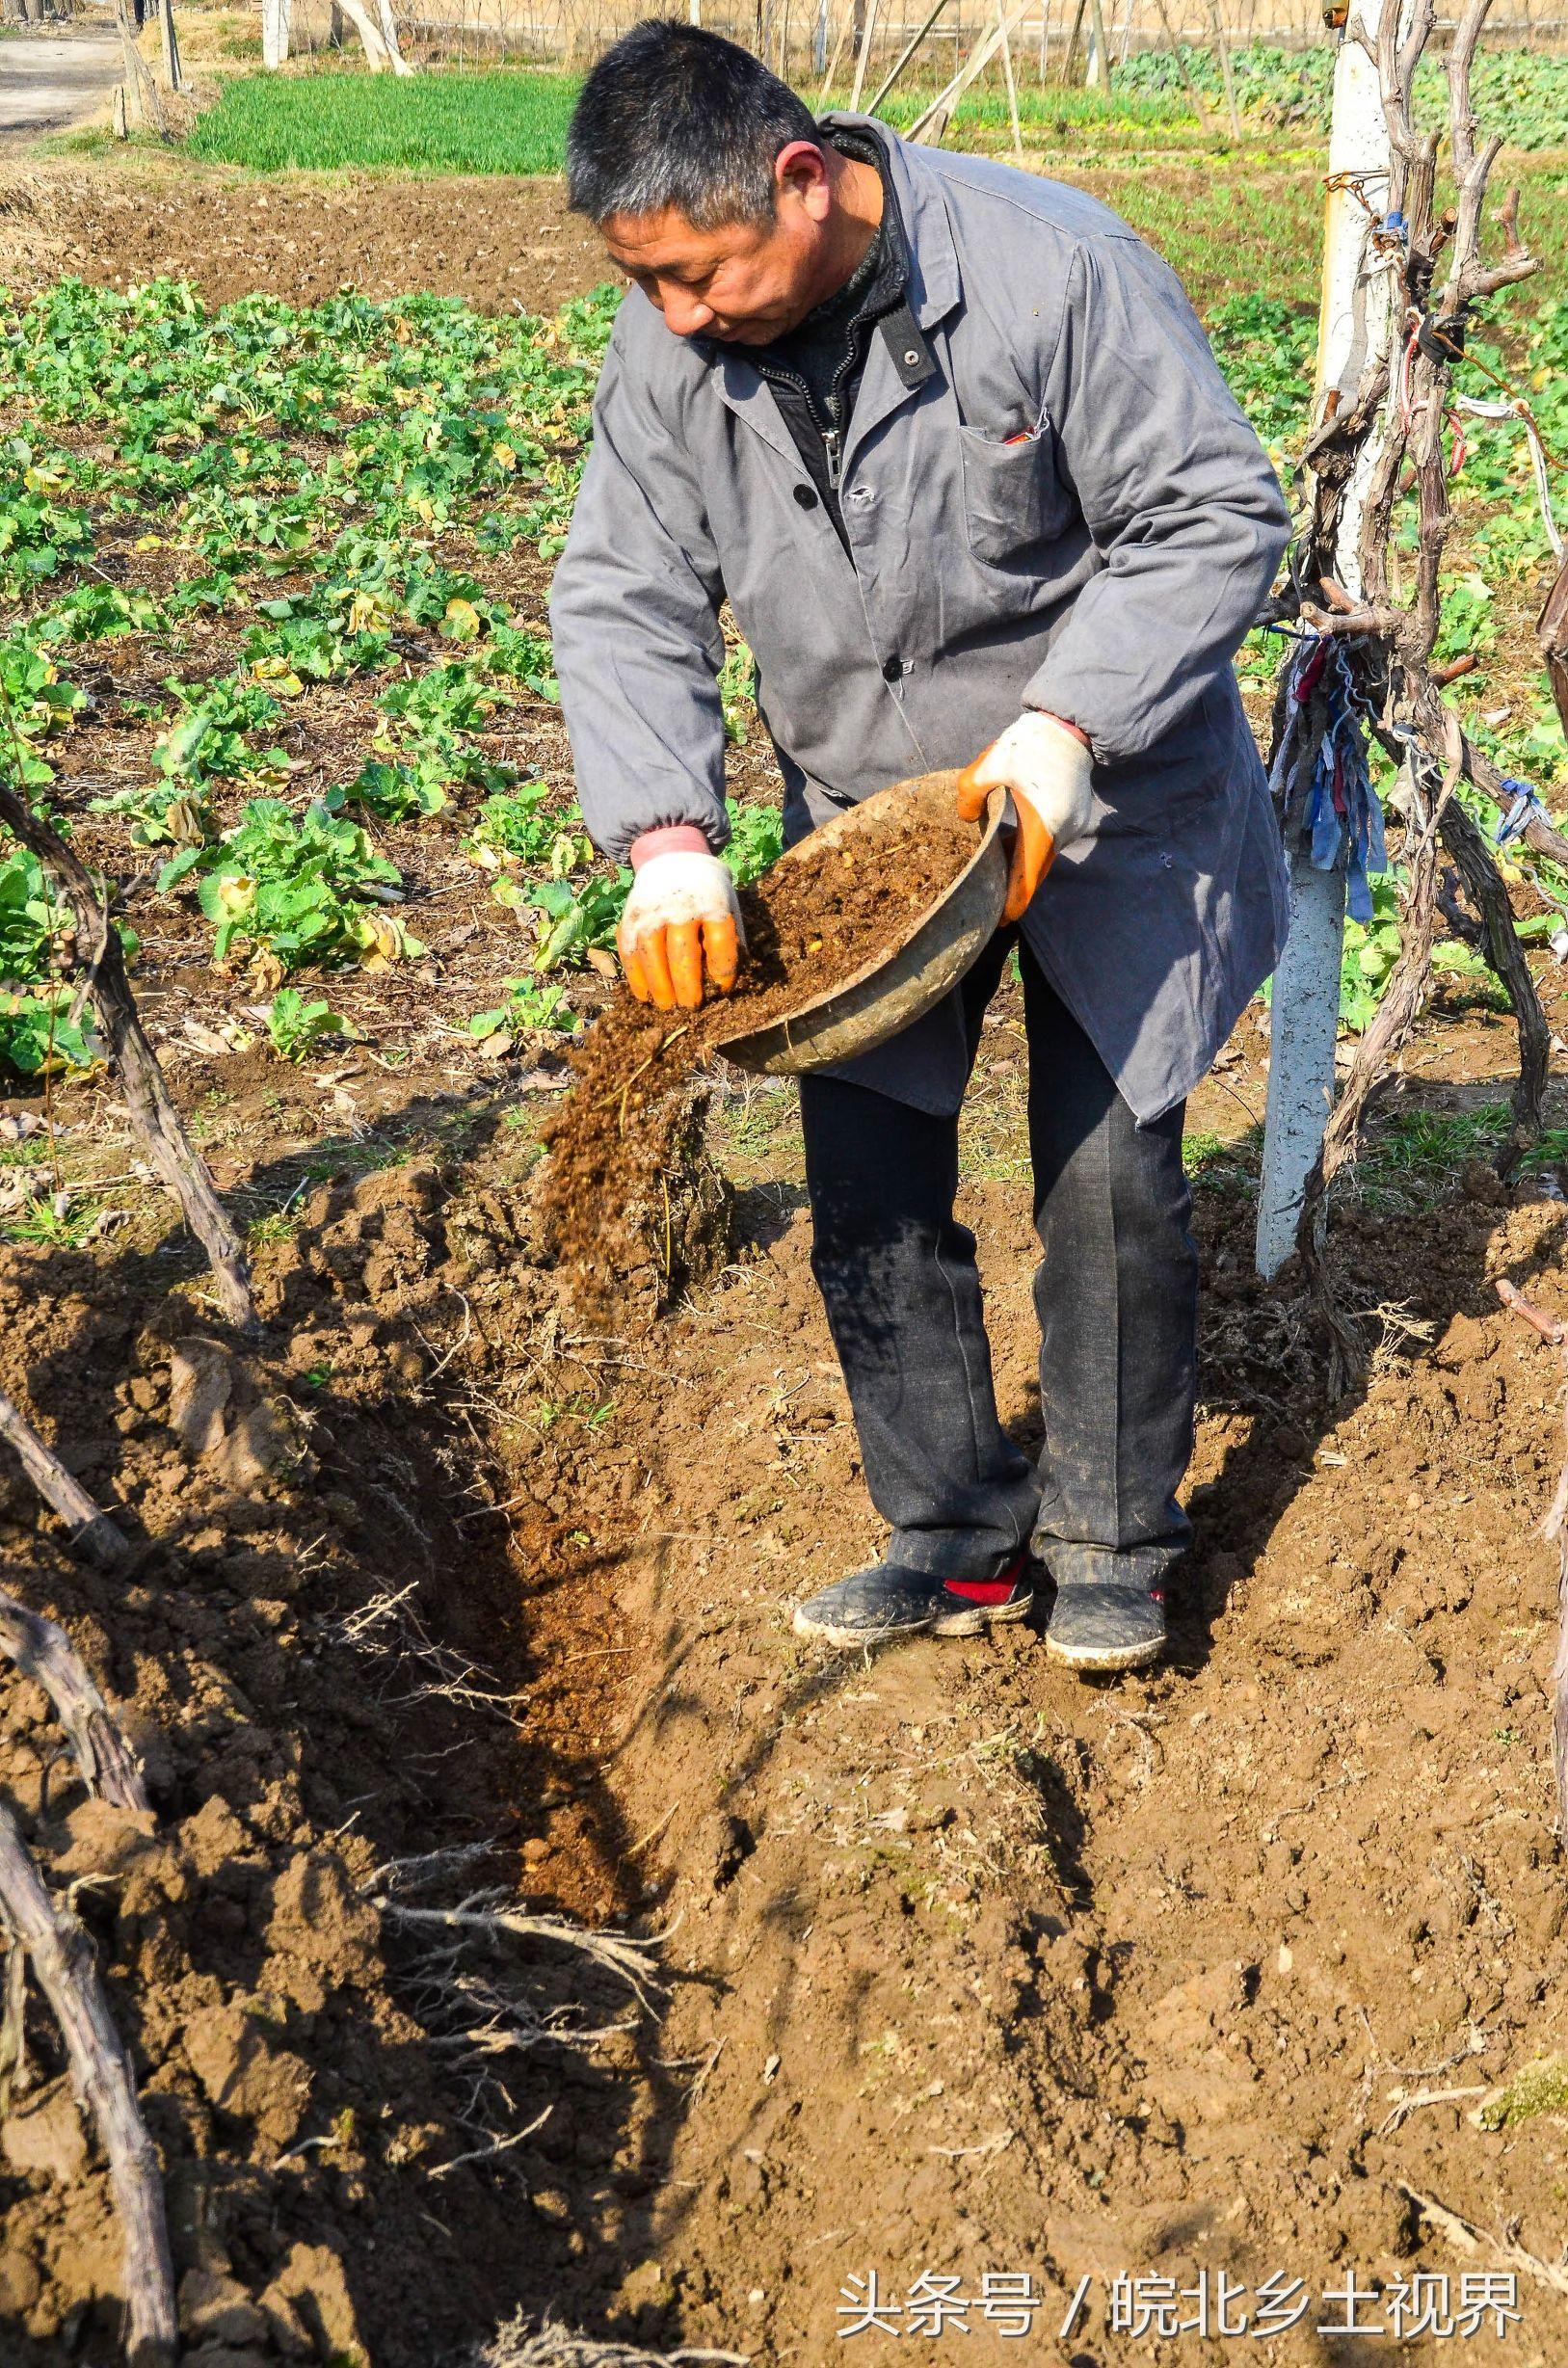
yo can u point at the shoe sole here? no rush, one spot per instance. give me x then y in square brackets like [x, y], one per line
[1104, 1660]
[972, 1621]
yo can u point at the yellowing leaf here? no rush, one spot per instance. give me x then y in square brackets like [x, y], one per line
[461, 621]
[366, 611]
[505, 457]
[185, 822]
[147, 543]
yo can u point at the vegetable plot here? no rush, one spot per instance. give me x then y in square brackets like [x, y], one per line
[271, 614]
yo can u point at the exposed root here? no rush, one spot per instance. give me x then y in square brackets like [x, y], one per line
[477, 2017]
[526, 2343]
[494, 2148]
[1503, 2248]
[484, 1915]
[388, 1627]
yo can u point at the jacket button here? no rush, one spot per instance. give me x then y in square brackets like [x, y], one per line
[892, 670]
[806, 496]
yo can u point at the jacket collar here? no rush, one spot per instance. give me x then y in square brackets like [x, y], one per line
[934, 284]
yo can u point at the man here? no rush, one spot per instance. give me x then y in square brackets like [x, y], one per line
[951, 442]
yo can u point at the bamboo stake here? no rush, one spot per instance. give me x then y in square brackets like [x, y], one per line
[838, 52]
[865, 51]
[903, 59]
[1182, 68]
[979, 58]
[1007, 73]
[1222, 50]
[62, 1962]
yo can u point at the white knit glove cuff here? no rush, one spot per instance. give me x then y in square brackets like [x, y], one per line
[1040, 760]
[681, 885]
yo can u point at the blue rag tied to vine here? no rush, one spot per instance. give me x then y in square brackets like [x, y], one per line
[1319, 776]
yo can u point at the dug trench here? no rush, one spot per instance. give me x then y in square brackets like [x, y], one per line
[961, 1968]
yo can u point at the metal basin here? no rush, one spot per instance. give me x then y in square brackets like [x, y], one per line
[908, 978]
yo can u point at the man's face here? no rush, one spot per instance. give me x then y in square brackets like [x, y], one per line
[745, 282]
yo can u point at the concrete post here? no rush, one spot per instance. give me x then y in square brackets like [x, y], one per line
[1355, 321]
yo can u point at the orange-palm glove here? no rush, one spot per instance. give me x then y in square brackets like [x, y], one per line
[681, 930]
[1047, 765]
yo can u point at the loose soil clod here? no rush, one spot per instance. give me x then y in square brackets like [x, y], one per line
[811, 925]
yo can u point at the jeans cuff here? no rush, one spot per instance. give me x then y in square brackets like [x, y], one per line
[1129, 1567]
[954, 1553]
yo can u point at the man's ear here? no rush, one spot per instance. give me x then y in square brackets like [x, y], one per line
[800, 171]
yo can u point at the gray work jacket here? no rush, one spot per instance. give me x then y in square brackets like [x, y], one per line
[1104, 569]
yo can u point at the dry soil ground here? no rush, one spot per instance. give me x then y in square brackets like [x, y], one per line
[966, 1968]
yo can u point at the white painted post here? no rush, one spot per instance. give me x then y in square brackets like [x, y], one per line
[1355, 321]
[274, 31]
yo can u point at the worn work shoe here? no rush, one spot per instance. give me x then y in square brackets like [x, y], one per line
[874, 1606]
[1105, 1624]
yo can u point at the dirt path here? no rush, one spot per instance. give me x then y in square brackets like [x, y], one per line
[49, 82]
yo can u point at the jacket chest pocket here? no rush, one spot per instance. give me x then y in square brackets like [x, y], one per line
[1014, 497]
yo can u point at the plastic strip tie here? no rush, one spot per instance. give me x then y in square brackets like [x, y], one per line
[1320, 777]
[1525, 807]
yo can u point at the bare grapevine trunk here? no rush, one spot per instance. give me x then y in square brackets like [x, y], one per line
[1388, 631]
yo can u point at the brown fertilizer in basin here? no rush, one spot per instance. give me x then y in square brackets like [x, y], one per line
[811, 925]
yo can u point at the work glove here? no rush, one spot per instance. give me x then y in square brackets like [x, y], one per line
[1047, 765]
[683, 916]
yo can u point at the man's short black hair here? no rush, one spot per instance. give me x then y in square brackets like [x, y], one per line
[675, 116]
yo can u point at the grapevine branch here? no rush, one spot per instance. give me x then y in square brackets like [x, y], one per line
[61, 1956]
[41, 1649]
[56, 1948]
[168, 1149]
[90, 1531]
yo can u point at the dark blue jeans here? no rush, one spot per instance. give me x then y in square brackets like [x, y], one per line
[1116, 1294]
